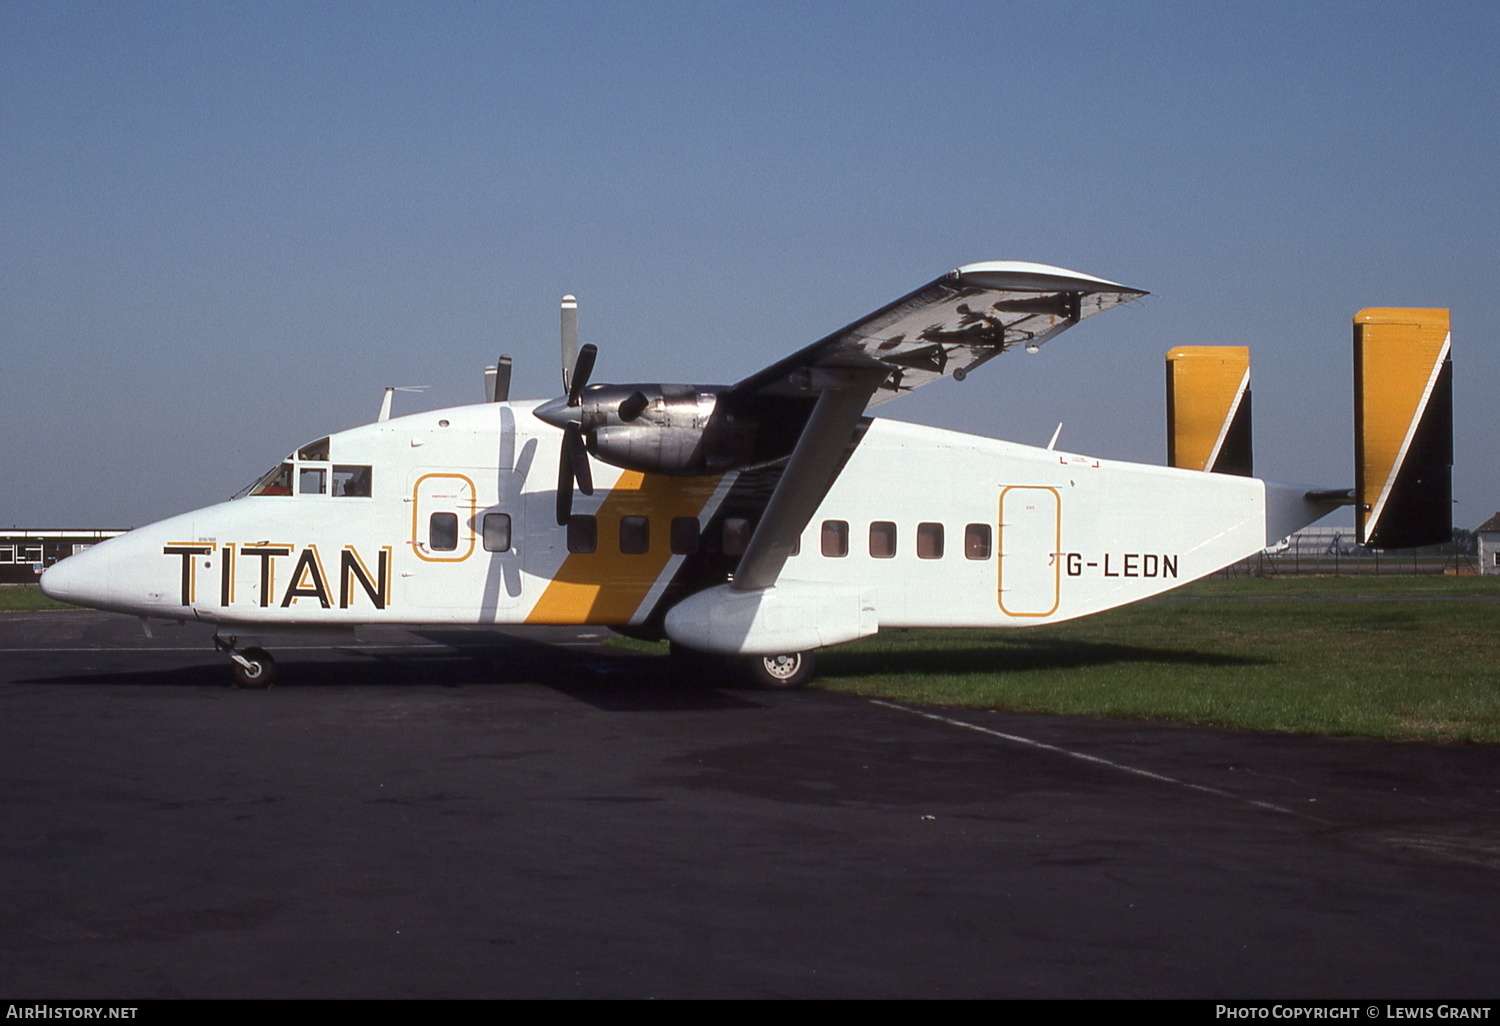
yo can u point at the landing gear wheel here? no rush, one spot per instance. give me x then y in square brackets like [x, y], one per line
[260, 671]
[781, 672]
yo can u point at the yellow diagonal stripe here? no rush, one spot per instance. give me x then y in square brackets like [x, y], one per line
[607, 586]
[1206, 382]
[1398, 352]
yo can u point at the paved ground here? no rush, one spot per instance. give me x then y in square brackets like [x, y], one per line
[465, 813]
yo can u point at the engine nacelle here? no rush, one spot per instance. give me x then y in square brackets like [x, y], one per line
[664, 429]
[794, 616]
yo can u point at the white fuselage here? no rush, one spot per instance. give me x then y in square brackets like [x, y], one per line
[459, 527]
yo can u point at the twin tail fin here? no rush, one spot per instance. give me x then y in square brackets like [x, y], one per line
[1403, 423]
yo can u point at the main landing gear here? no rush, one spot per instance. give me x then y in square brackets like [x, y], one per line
[253, 667]
[781, 672]
[773, 672]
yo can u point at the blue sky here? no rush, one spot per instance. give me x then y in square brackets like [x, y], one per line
[227, 227]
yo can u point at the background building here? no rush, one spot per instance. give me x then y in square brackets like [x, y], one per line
[1488, 541]
[25, 554]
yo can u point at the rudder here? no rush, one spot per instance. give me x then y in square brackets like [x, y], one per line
[1403, 427]
[1208, 409]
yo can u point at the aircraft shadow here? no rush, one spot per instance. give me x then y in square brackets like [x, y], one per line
[1020, 655]
[608, 680]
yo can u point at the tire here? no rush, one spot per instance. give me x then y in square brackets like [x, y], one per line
[260, 674]
[781, 672]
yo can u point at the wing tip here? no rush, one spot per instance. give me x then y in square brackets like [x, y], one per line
[1029, 274]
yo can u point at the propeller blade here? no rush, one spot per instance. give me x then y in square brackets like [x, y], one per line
[569, 340]
[633, 406]
[502, 381]
[564, 486]
[578, 458]
[572, 464]
[581, 372]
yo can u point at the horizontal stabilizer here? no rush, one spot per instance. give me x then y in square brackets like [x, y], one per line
[1403, 427]
[1208, 409]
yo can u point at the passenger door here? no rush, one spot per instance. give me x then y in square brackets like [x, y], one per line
[1030, 539]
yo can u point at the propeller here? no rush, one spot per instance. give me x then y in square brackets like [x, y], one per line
[497, 381]
[574, 465]
[567, 413]
[581, 373]
[569, 340]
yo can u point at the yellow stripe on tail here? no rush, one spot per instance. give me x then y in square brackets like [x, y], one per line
[1403, 427]
[1208, 409]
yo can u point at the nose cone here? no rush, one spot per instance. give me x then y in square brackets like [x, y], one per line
[81, 579]
[557, 412]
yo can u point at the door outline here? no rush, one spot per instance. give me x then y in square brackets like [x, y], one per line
[465, 507]
[1055, 562]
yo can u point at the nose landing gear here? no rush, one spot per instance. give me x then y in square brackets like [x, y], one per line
[253, 667]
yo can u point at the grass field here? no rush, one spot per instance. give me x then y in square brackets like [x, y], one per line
[1379, 657]
[1395, 657]
[18, 598]
[1309, 586]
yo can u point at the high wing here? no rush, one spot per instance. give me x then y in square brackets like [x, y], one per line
[948, 326]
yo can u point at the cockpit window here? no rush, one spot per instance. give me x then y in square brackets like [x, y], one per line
[312, 480]
[314, 450]
[277, 482]
[351, 480]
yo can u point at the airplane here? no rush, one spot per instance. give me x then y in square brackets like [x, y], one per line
[761, 521]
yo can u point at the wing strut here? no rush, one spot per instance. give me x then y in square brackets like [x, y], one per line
[809, 473]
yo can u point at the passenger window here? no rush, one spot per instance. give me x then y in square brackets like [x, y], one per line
[277, 482]
[929, 541]
[7, 553]
[835, 538]
[583, 533]
[736, 535]
[442, 532]
[351, 481]
[684, 536]
[310, 480]
[497, 532]
[882, 539]
[635, 535]
[977, 541]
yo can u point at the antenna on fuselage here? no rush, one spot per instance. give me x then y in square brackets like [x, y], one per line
[390, 391]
